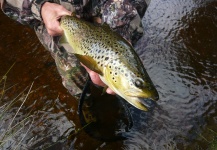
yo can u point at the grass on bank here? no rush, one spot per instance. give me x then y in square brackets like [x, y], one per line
[13, 130]
[9, 128]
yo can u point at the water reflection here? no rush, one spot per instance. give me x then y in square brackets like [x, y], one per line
[179, 53]
[184, 70]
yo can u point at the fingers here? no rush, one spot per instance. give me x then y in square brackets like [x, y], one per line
[110, 91]
[96, 80]
[94, 76]
[51, 14]
[53, 28]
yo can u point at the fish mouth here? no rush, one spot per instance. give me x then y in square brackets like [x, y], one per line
[149, 103]
[155, 97]
[144, 104]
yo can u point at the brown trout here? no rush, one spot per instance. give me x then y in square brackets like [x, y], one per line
[112, 57]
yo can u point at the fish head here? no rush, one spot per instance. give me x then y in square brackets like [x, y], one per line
[141, 93]
[136, 89]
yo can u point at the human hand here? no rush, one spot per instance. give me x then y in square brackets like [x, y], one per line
[51, 13]
[96, 80]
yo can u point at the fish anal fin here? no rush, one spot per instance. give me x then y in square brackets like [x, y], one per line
[90, 63]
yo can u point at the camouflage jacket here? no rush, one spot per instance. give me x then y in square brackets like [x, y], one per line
[123, 16]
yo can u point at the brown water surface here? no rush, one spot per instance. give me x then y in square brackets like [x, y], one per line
[179, 51]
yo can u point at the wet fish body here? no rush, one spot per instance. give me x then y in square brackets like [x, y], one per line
[112, 57]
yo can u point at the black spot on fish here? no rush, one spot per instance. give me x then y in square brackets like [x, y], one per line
[106, 58]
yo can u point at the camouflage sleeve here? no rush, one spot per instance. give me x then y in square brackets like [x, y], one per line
[23, 11]
[125, 17]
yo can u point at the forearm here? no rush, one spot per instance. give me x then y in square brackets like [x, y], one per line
[23, 11]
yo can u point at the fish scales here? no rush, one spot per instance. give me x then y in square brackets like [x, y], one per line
[107, 53]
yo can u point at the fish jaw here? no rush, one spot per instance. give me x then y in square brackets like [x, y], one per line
[143, 100]
[141, 103]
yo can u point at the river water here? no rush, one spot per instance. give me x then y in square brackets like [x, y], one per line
[179, 51]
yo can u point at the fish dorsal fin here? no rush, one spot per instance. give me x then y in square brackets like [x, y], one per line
[89, 62]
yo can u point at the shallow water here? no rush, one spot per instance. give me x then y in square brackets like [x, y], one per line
[179, 53]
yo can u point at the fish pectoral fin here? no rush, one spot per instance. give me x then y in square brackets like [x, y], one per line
[66, 47]
[90, 63]
[63, 39]
[63, 43]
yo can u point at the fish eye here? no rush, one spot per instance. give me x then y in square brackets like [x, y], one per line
[139, 83]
